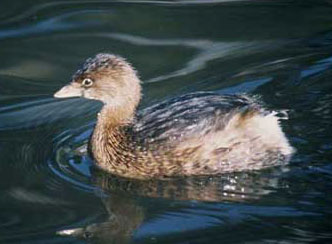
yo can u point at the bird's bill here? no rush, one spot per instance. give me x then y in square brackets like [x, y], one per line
[68, 91]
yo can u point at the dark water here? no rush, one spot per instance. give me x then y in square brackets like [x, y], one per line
[281, 50]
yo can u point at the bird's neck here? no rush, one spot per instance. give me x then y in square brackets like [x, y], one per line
[111, 143]
[114, 117]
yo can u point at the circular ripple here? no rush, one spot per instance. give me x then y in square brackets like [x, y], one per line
[70, 161]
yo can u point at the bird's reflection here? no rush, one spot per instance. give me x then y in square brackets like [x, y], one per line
[126, 211]
[124, 217]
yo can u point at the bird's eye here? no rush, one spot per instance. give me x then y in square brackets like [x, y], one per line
[87, 82]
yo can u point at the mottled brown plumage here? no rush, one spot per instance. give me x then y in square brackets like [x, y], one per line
[196, 134]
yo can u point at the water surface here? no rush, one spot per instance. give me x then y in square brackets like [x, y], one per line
[280, 50]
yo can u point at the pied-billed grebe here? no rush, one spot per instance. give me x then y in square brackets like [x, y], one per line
[195, 134]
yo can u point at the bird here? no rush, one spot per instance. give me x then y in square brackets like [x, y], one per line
[200, 133]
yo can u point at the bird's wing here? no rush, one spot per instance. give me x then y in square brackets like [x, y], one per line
[190, 114]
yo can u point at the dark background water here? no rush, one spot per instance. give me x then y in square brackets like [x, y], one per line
[281, 50]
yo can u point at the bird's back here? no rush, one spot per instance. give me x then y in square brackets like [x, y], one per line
[206, 133]
[190, 115]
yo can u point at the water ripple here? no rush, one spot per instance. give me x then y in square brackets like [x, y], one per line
[207, 50]
[49, 25]
[45, 111]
